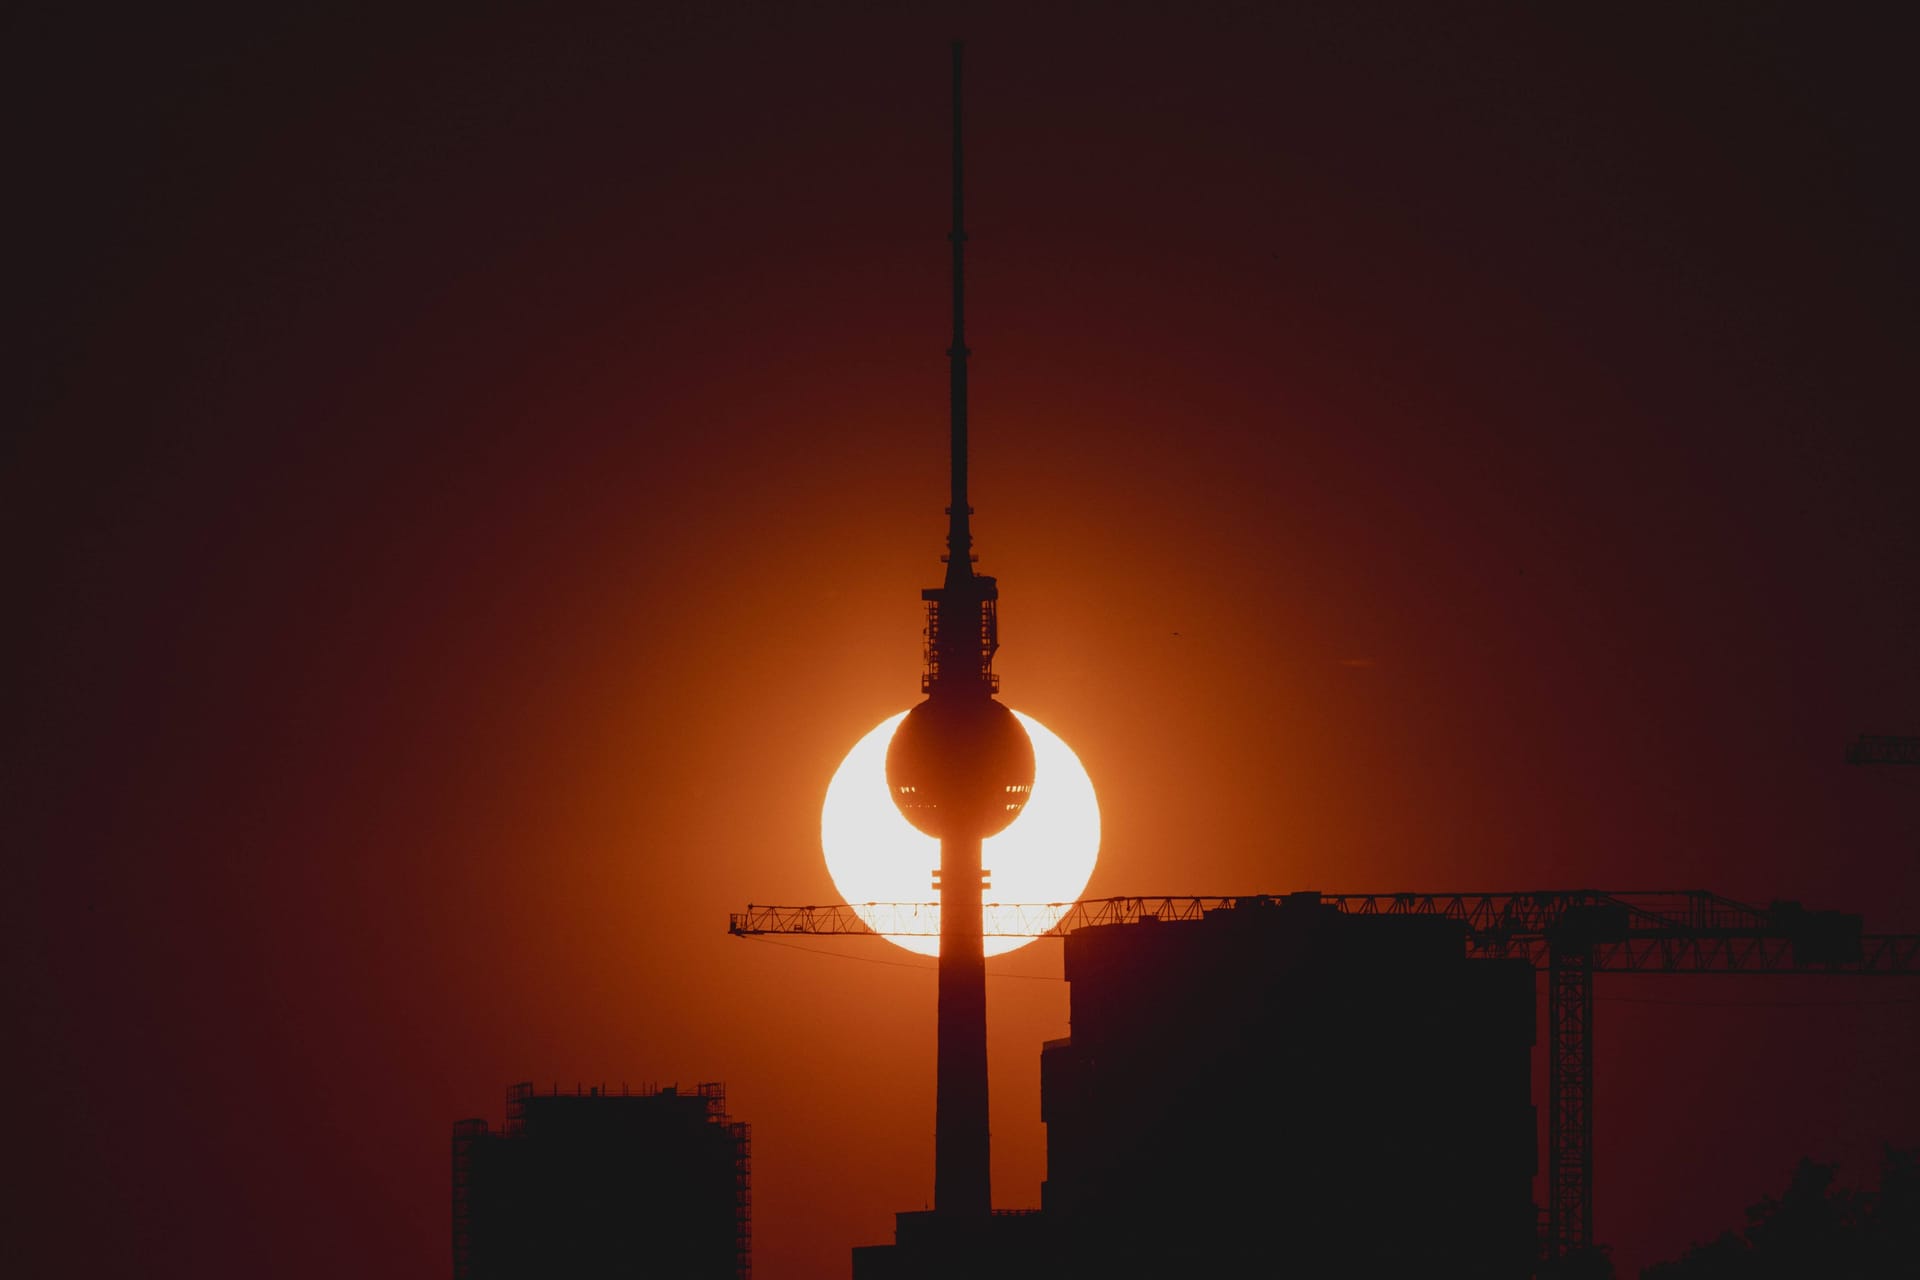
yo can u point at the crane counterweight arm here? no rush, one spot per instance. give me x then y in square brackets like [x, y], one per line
[1880, 748]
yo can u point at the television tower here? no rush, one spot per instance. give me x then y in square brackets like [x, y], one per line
[959, 768]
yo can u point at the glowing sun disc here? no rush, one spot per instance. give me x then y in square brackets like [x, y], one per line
[875, 855]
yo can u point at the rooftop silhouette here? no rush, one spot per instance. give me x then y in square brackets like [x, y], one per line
[598, 1184]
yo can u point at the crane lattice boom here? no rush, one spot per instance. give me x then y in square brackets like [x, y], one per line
[1657, 931]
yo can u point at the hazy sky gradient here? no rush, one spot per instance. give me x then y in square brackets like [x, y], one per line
[473, 474]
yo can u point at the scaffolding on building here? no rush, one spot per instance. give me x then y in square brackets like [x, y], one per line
[712, 1097]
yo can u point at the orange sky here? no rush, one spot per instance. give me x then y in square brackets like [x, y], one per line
[477, 479]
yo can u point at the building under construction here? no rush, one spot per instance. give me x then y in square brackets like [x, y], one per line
[595, 1183]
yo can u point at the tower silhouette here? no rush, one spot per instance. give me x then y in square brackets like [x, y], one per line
[960, 767]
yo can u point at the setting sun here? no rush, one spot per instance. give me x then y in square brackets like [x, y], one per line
[1045, 856]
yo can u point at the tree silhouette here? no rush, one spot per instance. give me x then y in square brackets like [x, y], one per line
[1818, 1228]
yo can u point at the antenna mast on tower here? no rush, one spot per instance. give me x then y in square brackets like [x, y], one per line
[959, 513]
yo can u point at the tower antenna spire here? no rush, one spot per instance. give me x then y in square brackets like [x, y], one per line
[959, 513]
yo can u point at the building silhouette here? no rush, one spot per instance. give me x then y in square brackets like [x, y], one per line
[1275, 1087]
[599, 1184]
[1278, 1085]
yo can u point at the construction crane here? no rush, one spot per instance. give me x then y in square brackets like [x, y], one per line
[1881, 748]
[1570, 934]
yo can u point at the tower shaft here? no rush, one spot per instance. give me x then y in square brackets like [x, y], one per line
[962, 1148]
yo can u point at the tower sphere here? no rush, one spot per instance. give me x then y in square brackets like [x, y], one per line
[960, 767]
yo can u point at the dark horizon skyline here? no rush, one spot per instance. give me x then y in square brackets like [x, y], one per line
[473, 474]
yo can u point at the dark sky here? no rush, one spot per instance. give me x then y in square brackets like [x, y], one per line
[470, 477]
